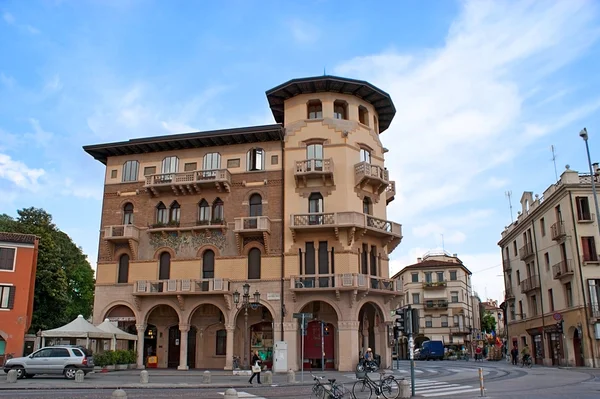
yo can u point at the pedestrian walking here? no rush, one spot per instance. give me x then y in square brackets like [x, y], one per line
[514, 353]
[256, 367]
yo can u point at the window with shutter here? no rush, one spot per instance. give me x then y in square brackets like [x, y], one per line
[7, 258]
[7, 296]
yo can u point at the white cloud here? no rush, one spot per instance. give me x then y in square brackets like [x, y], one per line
[7, 81]
[495, 182]
[11, 20]
[20, 174]
[54, 84]
[8, 18]
[461, 103]
[40, 137]
[303, 32]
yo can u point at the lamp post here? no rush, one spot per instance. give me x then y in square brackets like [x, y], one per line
[584, 135]
[245, 303]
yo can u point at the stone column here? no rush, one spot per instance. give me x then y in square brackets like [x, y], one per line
[292, 336]
[229, 350]
[348, 338]
[183, 347]
[385, 351]
[141, 328]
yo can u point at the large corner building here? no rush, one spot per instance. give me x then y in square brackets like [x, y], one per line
[296, 210]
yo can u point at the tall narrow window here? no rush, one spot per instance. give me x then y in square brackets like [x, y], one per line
[365, 155]
[551, 299]
[169, 165]
[217, 211]
[375, 124]
[324, 282]
[315, 205]
[130, 171]
[364, 261]
[367, 206]
[164, 266]
[210, 164]
[208, 264]
[309, 266]
[255, 159]
[7, 258]
[128, 213]
[314, 156]
[255, 211]
[363, 115]
[340, 110]
[221, 347]
[589, 249]
[123, 276]
[373, 256]
[162, 216]
[254, 264]
[203, 212]
[175, 212]
[569, 294]
[315, 109]
[583, 209]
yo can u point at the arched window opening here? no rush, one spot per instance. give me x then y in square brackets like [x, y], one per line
[164, 267]
[123, 275]
[169, 166]
[208, 268]
[254, 259]
[314, 153]
[130, 171]
[210, 164]
[128, 213]
[255, 211]
[203, 212]
[162, 216]
[218, 211]
[315, 205]
[315, 109]
[255, 159]
[367, 206]
[175, 213]
[340, 109]
[365, 155]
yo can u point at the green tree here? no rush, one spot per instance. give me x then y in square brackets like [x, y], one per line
[64, 282]
[488, 323]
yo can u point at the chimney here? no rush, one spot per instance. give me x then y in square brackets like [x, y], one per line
[419, 260]
[596, 168]
[455, 255]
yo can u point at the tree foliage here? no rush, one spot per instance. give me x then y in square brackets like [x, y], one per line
[488, 323]
[64, 282]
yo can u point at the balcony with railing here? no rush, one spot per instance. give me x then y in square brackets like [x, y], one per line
[506, 265]
[192, 182]
[460, 330]
[314, 169]
[121, 233]
[508, 294]
[181, 287]
[586, 217]
[594, 308]
[367, 174]
[440, 304]
[334, 221]
[343, 282]
[390, 192]
[252, 225]
[526, 251]
[530, 284]
[432, 285]
[563, 269]
[558, 231]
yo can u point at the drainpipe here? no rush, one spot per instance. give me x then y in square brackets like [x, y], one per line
[282, 300]
[537, 260]
[585, 308]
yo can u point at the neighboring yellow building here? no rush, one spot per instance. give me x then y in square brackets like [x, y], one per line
[439, 285]
[551, 269]
[297, 210]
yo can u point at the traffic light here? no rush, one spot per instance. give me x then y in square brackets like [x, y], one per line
[559, 326]
[400, 322]
[414, 321]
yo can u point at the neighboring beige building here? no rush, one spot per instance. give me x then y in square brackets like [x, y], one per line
[491, 306]
[551, 268]
[439, 285]
[297, 210]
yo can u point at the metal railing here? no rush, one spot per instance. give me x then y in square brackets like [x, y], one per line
[345, 280]
[125, 231]
[435, 284]
[252, 223]
[345, 219]
[196, 176]
[526, 251]
[460, 330]
[594, 309]
[530, 284]
[557, 230]
[438, 304]
[181, 286]
[506, 265]
[508, 294]
[562, 268]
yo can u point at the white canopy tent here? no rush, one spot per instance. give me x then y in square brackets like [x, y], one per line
[78, 328]
[117, 333]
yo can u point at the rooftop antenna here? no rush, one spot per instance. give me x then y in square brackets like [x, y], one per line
[324, 73]
[508, 194]
[554, 160]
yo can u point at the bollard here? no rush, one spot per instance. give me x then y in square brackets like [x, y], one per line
[230, 394]
[481, 388]
[12, 376]
[291, 377]
[404, 389]
[119, 393]
[79, 376]
[206, 377]
[267, 377]
[143, 377]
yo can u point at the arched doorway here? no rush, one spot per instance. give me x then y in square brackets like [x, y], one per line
[372, 330]
[577, 348]
[207, 339]
[150, 342]
[419, 341]
[125, 319]
[320, 350]
[162, 318]
[259, 337]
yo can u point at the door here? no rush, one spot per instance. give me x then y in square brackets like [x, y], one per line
[191, 352]
[313, 344]
[39, 362]
[577, 349]
[174, 342]
[255, 211]
[59, 358]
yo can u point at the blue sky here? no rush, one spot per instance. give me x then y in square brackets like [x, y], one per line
[482, 89]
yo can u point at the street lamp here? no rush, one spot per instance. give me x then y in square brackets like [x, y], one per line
[584, 135]
[245, 304]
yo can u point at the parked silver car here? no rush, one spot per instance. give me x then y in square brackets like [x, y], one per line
[62, 359]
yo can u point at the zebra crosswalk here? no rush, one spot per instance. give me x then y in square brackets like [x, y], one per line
[431, 388]
[242, 394]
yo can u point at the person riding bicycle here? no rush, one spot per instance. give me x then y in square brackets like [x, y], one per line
[525, 353]
[369, 355]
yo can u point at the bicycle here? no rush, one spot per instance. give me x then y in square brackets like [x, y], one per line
[330, 391]
[526, 361]
[389, 387]
[236, 362]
